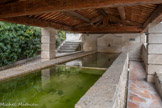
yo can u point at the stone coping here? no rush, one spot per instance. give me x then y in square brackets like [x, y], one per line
[20, 62]
[68, 54]
[22, 70]
[110, 89]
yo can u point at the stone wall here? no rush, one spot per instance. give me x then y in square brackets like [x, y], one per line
[154, 50]
[116, 43]
[90, 41]
[110, 90]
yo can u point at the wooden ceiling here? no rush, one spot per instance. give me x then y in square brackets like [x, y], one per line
[84, 16]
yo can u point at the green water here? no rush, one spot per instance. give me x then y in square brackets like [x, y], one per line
[55, 87]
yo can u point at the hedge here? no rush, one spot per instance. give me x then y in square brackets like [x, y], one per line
[18, 42]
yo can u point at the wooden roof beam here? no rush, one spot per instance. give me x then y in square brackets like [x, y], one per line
[105, 15]
[156, 16]
[36, 22]
[109, 29]
[29, 7]
[7, 1]
[76, 16]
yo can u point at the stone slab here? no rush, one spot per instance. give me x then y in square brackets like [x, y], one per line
[155, 38]
[155, 28]
[154, 48]
[109, 91]
[151, 69]
[155, 59]
[151, 78]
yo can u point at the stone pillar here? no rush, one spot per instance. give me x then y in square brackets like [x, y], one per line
[48, 44]
[154, 50]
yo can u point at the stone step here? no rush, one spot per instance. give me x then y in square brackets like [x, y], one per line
[66, 51]
[71, 43]
[67, 48]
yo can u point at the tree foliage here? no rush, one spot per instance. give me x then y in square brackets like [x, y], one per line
[61, 36]
[18, 42]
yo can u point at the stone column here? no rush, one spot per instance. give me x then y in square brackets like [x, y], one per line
[48, 44]
[154, 50]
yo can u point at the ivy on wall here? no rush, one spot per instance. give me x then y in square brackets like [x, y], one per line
[18, 42]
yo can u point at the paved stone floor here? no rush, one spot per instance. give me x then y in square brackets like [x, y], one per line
[140, 93]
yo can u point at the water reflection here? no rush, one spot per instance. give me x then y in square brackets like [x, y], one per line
[101, 60]
[45, 78]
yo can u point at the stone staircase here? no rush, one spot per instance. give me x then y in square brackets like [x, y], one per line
[69, 47]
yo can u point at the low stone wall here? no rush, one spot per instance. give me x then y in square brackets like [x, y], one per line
[11, 73]
[21, 62]
[110, 90]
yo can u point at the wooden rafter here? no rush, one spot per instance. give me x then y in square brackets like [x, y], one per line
[106, 21]
[94, 20]
[36, 22]
[76, 16]
[116, 19]
[102, 12]
[30, 7]
[155, 16]
[121, 11]
[109, 29]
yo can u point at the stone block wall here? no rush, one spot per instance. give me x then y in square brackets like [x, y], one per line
[116, 43]
[154, 51]
[90, 41]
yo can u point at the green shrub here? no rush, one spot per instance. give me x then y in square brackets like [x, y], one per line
[61, 36]
[18, 42]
